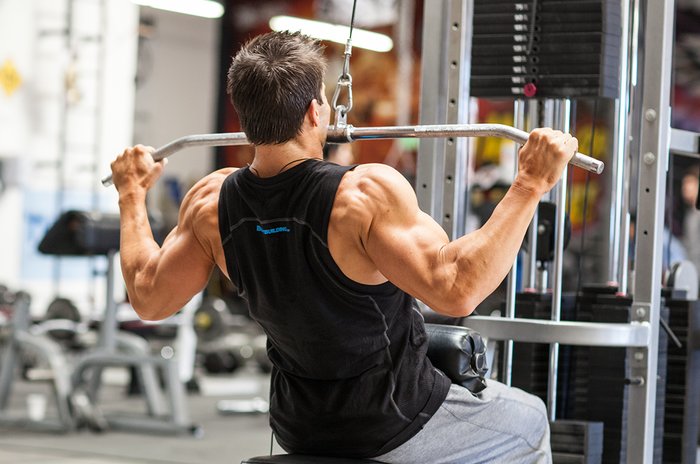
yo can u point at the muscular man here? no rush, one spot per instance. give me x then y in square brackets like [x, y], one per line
[330, 260]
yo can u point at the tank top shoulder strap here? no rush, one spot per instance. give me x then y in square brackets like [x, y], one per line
[329, 177]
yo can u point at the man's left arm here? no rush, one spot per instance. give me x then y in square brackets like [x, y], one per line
[159, 279]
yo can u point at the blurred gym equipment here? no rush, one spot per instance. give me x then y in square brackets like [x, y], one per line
[77, 233]
[18, 342]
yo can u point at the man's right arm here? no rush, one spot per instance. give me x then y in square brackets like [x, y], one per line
[411, 250]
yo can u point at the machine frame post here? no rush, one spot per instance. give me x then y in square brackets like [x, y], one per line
[653, 156]
[442, 168]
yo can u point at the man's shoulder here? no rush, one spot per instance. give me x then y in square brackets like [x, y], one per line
[219, 175]
[367, 177]
[376, 182]
[212, 182]
[371, 187]
[202, 198]
[375, 171]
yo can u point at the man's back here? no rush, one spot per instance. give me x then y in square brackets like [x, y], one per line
[351, 374]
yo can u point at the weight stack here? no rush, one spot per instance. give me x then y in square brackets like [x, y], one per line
[572, 441]
[600, 389]
[576, 442]
[562, 49]
[531, 360]
[683, 383]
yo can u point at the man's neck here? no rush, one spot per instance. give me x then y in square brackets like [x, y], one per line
[271, 160]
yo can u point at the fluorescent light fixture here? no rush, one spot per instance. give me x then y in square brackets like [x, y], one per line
[334, 33]
[201, 8]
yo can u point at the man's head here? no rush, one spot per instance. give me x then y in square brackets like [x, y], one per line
[272, 81]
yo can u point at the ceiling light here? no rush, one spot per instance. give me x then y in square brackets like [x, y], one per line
[334, 33]
[201, 8]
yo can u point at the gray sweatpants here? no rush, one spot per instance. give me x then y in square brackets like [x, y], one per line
[499, 425]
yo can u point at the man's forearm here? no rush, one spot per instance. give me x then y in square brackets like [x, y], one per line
[138, 246]
[484, 257]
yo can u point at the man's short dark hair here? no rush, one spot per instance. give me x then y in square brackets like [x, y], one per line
[272, 80]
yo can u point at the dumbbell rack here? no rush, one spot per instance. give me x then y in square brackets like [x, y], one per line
[442, 180]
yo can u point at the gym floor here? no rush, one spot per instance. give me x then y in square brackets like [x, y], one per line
[226, 439]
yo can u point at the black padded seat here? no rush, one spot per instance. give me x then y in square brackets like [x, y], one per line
[303, 459]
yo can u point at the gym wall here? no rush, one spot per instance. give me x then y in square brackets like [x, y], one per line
[71, 108]
[176, 88]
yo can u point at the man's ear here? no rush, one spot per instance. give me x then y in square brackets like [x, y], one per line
[314, 113]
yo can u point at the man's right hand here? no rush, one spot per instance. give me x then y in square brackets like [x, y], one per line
[543, 158]
[135, 171]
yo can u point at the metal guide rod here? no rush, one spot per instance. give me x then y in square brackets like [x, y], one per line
[349, 133]
[531, 267]
[544, 273]
[562, 119]
[633, 101]
[621, 144]
[511, 293]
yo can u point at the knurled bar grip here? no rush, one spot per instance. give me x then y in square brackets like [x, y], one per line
[350, 133]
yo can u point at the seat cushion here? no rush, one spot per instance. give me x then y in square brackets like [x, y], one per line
[303, 459]
[460, 353]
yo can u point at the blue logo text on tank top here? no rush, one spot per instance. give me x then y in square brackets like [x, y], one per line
[276, 230]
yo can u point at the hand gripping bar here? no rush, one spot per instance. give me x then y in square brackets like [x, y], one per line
[349, 133]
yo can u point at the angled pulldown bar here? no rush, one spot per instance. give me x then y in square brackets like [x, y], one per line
[349, 133]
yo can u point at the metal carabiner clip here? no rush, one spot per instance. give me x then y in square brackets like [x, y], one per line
[341, 111]
[344, 80]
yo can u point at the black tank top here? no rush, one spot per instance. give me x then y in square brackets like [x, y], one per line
[350, 375]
